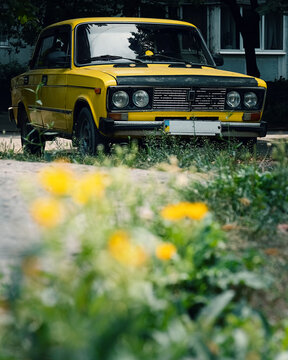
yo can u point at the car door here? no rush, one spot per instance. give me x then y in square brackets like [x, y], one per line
[57, 63]
[32, 80]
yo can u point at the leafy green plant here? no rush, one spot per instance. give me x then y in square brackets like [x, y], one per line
[246, 195]
[127, 272]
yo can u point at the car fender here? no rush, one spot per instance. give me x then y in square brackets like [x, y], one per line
[84, 101]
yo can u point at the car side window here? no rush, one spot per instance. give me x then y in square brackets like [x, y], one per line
[61, 43]
[55, 44]
[46, 46]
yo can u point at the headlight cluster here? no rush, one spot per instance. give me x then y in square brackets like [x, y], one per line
[247, 100]
[129, 99]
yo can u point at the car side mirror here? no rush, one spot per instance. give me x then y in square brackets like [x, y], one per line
[57, 59]
[219, 60]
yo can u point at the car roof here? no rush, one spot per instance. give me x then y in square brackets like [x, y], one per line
[75, 22]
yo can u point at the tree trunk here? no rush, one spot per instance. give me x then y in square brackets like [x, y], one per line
[248, 26]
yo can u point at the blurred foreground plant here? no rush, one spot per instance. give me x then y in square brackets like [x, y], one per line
[127, 271]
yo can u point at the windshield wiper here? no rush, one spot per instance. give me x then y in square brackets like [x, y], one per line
[172, 58]
[113, 57]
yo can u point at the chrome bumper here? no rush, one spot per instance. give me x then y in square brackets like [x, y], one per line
[11, 115]
[112, 127]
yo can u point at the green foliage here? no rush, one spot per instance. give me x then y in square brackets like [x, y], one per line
[248, 196]
[276, 108]
[195, 154]
[7, 71]
[23, 20]
[273, 6]
[163, 153]
[81, 296]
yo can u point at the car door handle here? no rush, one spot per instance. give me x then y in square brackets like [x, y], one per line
[44, 79]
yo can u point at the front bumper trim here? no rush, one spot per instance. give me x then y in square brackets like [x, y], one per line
[11, 115]
[244, 129]
[110, 127]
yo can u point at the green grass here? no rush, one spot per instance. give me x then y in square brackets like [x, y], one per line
[76, 298]
[203, 155]
[247, 191]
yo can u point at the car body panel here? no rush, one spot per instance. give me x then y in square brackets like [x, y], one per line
[53, 99]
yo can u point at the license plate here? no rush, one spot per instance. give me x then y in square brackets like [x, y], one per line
[192, 127]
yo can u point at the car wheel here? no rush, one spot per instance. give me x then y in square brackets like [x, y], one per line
[31, 140]
[249, 142]
[89, 137]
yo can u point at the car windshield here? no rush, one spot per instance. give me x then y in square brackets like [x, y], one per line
[98, 43]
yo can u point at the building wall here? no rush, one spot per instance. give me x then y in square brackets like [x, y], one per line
[272, 65]
[8, 55]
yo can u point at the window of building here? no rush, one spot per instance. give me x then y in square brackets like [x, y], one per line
[230, 36]
[273, 31]
[269, 37]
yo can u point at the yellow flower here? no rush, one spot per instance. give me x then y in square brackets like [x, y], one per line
[124, 251]
[165, 251]
[89, 187]
[195, 211]
[56, 179]
[47, 212]
[62, 160]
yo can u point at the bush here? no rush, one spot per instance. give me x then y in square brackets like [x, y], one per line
[276, 109]
[7, 72]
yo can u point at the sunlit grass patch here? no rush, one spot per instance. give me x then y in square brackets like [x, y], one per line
[200, 154]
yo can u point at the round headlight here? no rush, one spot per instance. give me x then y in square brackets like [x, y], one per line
[250, 100]
[140, 98]
[233, 99]
[120, 99]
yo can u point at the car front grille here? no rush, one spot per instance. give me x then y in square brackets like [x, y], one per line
[189, 99]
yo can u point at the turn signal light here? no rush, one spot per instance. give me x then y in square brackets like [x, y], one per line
[251, 116]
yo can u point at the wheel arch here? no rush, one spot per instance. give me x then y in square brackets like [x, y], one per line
[79, 105]
[20, 109]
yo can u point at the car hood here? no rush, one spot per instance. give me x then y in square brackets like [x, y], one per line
[163, 75]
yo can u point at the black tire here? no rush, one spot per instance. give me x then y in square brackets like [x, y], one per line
[31, 140]
[88, 136]
[249, 142]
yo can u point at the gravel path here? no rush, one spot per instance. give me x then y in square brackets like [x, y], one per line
[17, 229]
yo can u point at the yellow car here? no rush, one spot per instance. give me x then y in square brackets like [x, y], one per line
[96, 80]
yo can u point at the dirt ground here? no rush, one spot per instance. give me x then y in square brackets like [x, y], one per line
[17, 230]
